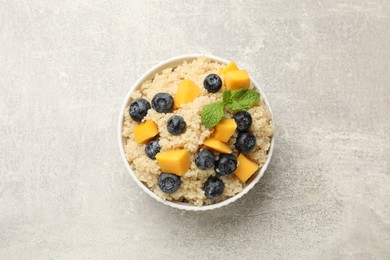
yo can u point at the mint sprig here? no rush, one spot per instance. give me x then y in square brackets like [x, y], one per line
[236, 100]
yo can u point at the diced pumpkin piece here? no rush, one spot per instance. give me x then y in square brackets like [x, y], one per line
[145, 131]
[187, 91]
[237, 79]
[246, 168]
[225, 129]
[174, 161]
[230, 67]
[217, 145]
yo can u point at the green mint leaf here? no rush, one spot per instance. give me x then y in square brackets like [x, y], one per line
[226, 96]
[243, 99]
[212, 114]
[235, 106]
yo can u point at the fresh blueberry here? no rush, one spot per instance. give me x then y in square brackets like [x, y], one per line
[243, 120]
[168, 182]
[152, 148]
[138, 109]
[212, 83]
[226, 164]
[205, 159]
[162, 102]
[245, 142]
[176, 125]
[213, 187]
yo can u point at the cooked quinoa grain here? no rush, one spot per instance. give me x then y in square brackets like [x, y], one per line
[147, 170]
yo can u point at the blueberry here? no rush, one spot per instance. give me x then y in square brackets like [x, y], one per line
[168, 182]
[205, 159]
[152, 148]
[176, 125]
[212, 83]
[213, 187]
[162, 102]
[245, 142]
[138, 109]
[226, 164]
[243, 120]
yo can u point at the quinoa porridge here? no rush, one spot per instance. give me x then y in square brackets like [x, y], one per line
[199, 182]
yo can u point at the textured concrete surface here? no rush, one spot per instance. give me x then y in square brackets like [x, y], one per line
[65, 67]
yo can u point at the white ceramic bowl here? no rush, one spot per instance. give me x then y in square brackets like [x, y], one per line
[121, 141]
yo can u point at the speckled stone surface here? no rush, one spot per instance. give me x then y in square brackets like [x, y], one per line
[65, 67]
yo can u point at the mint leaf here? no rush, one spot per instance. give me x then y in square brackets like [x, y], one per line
[212, 114]
[226, 96]
[242, 99]
[235, 106]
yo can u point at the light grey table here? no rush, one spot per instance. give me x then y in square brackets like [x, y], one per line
[65, 67]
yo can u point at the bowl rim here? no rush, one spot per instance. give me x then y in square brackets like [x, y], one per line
[121, 140]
